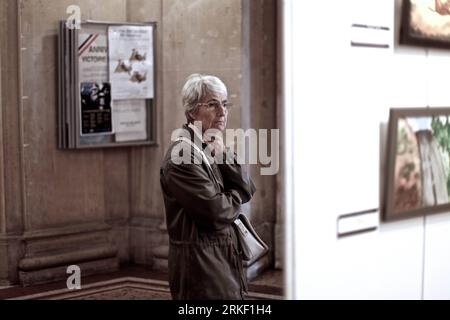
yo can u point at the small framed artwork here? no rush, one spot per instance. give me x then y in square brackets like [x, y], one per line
[417, 180]
[426, 23]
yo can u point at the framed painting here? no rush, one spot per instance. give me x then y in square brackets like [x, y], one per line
[426, 23]
[417, 180]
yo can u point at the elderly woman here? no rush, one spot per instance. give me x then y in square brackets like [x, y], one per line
[202, 200]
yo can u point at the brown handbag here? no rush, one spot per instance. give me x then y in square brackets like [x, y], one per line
[251, 245]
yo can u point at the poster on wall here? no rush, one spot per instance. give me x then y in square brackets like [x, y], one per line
[130, 120]
[96, 115]
[95, 91]
[131, 62]
[418, 180]
[93, 57]
[131, 136]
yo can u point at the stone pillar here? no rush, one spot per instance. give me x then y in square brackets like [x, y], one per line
[11, 161]
[259, 110]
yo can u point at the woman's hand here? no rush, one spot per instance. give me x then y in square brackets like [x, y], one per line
[215, 144]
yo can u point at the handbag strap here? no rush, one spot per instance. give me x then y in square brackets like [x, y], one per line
[241, 226]
[205, 159]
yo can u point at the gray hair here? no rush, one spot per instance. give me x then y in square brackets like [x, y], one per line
[197, 87]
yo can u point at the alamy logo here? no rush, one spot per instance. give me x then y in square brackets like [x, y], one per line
[74, 20]
[74, 281]
[242, 147]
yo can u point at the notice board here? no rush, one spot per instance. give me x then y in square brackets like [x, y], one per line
[107, 85]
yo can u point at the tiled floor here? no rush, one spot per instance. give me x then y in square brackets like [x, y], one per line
[134, 282]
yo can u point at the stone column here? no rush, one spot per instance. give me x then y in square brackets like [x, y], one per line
[11, 164]
[259, 110]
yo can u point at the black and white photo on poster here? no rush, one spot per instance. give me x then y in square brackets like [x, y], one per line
[96, 115]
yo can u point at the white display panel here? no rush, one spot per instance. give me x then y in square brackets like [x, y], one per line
[339, 95]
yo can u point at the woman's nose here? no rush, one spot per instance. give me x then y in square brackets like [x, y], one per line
[221, 110]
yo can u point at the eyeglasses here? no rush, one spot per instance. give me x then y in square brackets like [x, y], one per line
[215, 105]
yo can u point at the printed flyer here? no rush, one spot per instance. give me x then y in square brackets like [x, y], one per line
[93, 57]
[131, 62]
